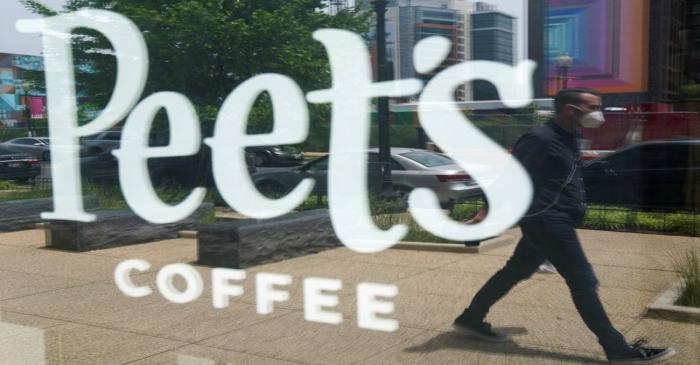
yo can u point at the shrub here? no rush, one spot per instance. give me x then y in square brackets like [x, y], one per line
[688, 267]
[8, 185]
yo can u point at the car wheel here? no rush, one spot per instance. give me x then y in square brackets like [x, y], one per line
[261, 159]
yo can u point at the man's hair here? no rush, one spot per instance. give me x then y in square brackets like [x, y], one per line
[571, 96]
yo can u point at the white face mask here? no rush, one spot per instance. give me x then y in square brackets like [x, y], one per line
[591, 120]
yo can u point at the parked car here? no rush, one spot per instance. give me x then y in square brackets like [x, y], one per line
[186, 171]
[276, 155]
[101, 142]
[410, 168]
[17, 166]
[35, 146]
[659, 174]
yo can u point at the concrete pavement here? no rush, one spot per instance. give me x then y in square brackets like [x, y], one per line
[65, 308]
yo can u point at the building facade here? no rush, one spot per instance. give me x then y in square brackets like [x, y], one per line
[631, 51]
[18, 100]
[493, 36]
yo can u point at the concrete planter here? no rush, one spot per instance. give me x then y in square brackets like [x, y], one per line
[248, 242]
[115, 228]
[19, 215]
[664, 307]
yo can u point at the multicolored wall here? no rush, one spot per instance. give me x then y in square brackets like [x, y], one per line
[13, 97]
[607, 39]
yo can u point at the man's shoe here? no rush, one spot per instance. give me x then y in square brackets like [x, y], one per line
[478, 329]
[641, 354]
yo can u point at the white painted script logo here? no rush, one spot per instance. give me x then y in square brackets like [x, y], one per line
[505, 183]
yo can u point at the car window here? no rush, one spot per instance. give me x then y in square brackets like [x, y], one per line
[23, 141]
[428, 159]
[395, 165]
[112, 136]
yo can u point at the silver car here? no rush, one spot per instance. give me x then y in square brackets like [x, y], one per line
[34, 146]
[410, 168]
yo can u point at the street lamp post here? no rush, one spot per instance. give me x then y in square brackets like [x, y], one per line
[383, 102]
[564, 63]
[26, 112]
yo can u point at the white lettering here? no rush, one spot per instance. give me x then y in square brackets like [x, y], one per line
[368, 306]
[122, 278]
[221, 287]
[132, 68]
[265, 292]
[167, 288]
[350, 96]
[291, 125]
[505, 182]
[134, 153]
[315, 300]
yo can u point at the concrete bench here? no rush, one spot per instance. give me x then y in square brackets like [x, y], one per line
[244, 243]
[114, 228]
[19, 215]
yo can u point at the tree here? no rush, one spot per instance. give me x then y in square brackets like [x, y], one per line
[205, 48]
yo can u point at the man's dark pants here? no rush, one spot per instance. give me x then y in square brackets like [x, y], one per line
[553, 237]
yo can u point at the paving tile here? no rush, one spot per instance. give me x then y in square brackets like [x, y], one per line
[336, 253]
[202, 355]
[292, 338]
[166, 251]
[448, 348]
[636, 242]
[683, 337]
[294, 265]
[76, 344]
[480, 264]
[624, 278]
[559, 328]
[18, 284]
[79, 303]
[617, 301]
[60, 263]
[26, 239]
[190, 322]
[447, 283]
[11, 320]
[419, 259]
[353, 272]
[630, 260]
[426, 311]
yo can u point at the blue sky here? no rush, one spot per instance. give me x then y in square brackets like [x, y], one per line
[21, 43]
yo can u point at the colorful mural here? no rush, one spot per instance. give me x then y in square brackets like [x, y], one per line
[13, 98]
[607, 40]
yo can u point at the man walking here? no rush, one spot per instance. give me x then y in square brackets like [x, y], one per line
[551, 156]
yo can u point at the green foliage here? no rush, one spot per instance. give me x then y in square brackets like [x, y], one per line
[690, 91]
[466, 211]
[7, 134]
[688, 268]
[312, 202]
[8, 185]
[415, 232]
[205, 48]
[624, 219]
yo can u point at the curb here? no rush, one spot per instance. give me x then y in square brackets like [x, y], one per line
[485, 246]
[664, 307]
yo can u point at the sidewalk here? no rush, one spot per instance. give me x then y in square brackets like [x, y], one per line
[71, 302]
